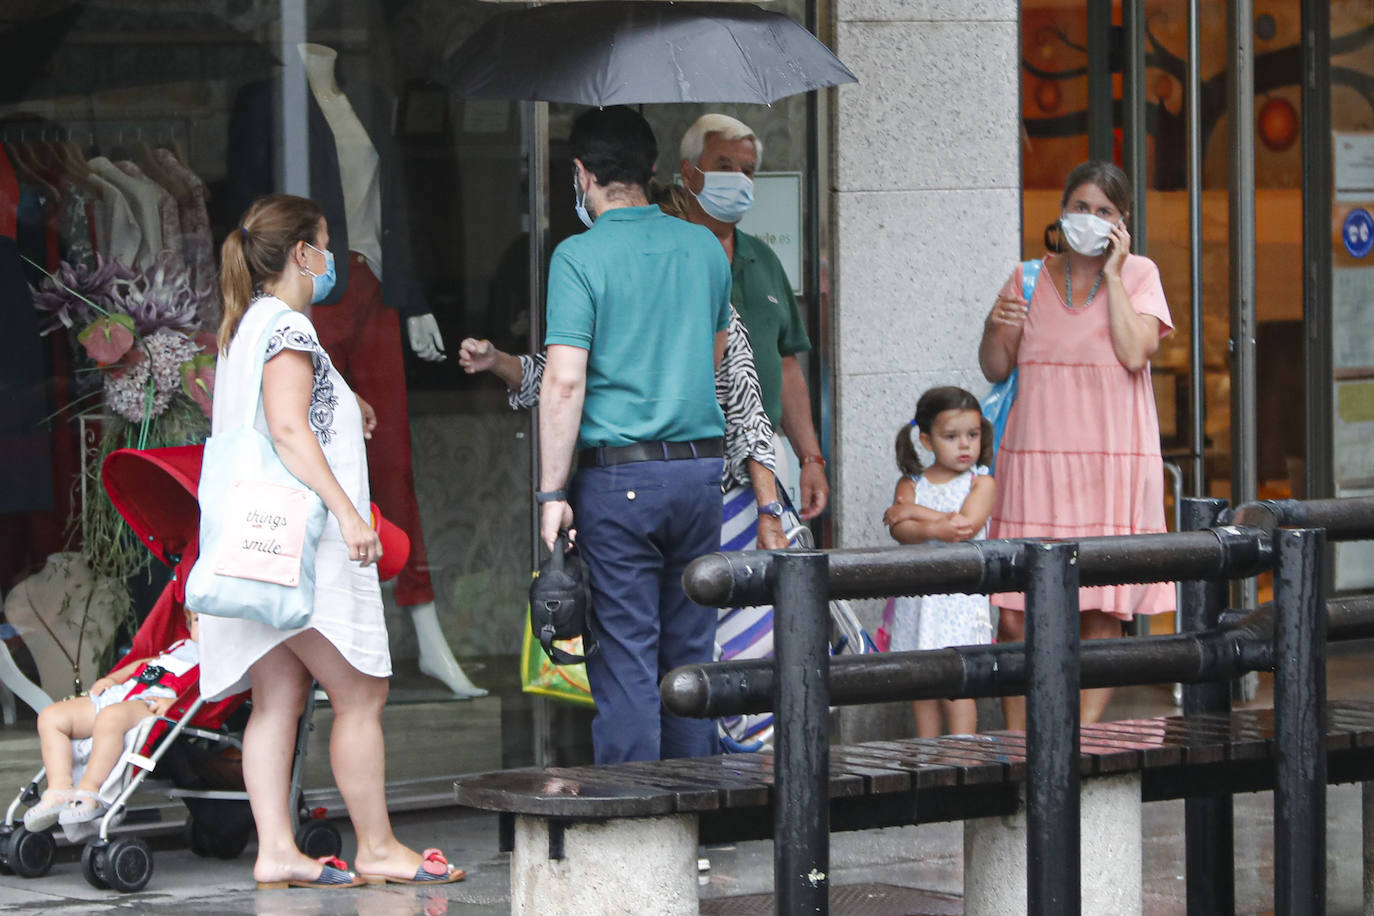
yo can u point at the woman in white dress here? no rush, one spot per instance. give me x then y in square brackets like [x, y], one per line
[274, 266]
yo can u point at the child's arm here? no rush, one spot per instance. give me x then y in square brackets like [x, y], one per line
[973, 514]
[118, 676]
[909, 523]
[162, 704]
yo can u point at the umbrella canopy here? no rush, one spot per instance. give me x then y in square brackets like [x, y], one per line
[629, 52]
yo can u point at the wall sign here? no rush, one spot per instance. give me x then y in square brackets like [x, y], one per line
[776, 217]
[1357, 232]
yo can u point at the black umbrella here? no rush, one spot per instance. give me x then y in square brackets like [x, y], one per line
[616, 52]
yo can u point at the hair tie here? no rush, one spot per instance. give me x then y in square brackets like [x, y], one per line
[244, 231]
[912, 422]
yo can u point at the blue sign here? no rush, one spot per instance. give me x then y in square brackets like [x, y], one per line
[1358, 232]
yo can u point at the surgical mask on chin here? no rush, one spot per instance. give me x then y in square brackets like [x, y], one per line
[321, 285]
[580, 207]
[726, 196]
[1086, 234]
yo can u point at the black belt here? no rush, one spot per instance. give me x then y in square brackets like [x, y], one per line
[607, 455]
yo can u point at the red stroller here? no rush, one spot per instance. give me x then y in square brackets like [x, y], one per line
[155, 492]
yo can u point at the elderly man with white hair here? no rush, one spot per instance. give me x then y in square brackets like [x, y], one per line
[719, 157]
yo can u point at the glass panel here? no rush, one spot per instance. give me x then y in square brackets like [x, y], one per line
[1352, 280]
[138, 131]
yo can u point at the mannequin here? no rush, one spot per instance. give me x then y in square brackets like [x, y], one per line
[361, 335]
[48, 609]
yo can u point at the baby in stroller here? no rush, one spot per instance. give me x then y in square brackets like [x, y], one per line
[116, 703]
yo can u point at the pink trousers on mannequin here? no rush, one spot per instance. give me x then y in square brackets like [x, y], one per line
[363, 338]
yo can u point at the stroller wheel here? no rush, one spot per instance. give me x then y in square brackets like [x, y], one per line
[318, 838]
[5, 831]
[210, 843]
[30, 854]
[93, 865]
[128, 864]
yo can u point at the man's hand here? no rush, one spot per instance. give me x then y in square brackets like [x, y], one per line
[815, 490]
[771, 535]
[369, 417]
[554, 517]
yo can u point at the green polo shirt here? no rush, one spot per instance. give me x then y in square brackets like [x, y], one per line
[762, 295]
[644, 294]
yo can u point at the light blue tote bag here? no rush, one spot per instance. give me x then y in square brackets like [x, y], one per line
[259, 526]
[997, 404]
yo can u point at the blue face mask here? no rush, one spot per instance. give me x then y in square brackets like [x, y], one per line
[726, 196]
[580, 196]
[322, 284]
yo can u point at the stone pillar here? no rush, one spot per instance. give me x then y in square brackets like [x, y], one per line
[995, 854]
[1367, 803]
[927, 207]
[645, 865]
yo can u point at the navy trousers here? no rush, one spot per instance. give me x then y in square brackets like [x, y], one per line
[638, 525]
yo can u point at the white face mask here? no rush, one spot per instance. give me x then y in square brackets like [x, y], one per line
[1086, 234]
[726, 196]
[580, 201]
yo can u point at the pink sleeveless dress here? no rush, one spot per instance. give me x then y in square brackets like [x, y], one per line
[1080, 456]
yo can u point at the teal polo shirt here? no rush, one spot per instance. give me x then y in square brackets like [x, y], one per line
[644, 294]
[762, 295]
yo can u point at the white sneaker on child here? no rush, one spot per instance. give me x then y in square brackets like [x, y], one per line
[84, 806]
[44, 814]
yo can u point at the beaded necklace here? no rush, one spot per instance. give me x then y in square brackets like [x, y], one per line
[1068, 284]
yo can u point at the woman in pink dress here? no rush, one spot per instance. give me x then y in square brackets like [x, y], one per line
[1080, 455]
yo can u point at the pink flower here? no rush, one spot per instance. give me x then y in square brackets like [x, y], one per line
[107, 339]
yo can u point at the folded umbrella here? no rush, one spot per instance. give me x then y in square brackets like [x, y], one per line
[629, 52]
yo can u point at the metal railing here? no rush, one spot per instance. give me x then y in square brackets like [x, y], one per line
[1287, 537]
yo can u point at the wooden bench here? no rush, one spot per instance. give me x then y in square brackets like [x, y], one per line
[592, 839]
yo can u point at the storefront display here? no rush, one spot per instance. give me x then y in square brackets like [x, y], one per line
[133, 134]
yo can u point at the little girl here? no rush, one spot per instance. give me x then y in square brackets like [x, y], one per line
[116, 703]
[949, 501]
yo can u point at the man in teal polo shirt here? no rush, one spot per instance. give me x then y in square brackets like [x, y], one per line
[636, 316]
[719, 157]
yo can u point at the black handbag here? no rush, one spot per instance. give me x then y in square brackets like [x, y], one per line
[560, 600]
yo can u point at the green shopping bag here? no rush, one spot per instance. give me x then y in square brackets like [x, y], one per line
[562, 682]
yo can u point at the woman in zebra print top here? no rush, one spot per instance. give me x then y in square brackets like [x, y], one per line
[748, 434]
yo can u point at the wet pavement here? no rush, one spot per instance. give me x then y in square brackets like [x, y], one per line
[912, 870]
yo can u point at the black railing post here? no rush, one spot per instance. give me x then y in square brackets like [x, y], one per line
[1300, 722]
[801, 698]
[1209, 839]
[1052, 802]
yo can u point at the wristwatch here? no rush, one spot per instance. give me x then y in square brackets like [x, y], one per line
[775, 509]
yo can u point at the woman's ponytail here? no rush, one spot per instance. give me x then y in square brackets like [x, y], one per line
[236, 284]
[258, 251]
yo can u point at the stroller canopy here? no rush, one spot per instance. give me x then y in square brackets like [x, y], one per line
[155, 492]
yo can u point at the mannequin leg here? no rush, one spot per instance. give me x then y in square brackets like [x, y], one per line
[436, 658]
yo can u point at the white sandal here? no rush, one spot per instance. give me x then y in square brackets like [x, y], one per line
[44, 814]
[84, 807]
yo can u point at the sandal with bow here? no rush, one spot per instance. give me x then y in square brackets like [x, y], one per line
[335, 874]
[434, 869]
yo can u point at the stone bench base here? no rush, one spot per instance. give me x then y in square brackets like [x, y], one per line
[648, 863]
[995, 854]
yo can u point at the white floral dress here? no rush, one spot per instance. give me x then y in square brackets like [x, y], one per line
[348, 600]
[940, 621]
